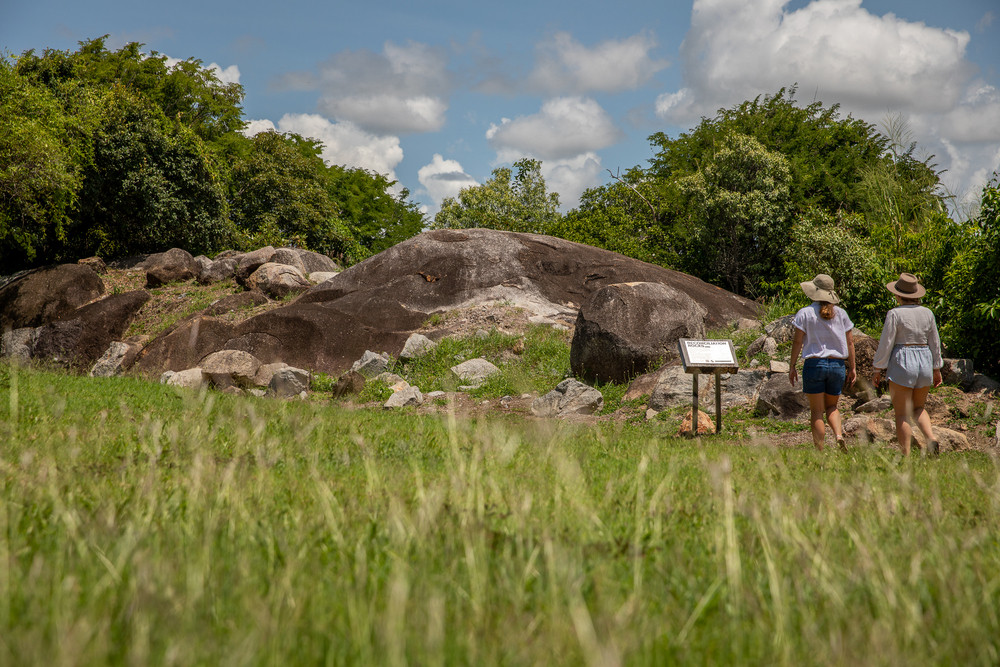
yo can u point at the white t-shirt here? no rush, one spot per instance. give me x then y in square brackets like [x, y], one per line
[824, 338]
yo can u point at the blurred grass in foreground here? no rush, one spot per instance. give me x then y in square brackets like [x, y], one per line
[144, 525]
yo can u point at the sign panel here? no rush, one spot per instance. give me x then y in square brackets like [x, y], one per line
[707, 353]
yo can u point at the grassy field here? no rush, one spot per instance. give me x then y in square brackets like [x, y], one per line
[144, 525]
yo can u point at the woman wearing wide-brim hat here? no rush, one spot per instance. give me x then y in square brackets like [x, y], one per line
[824, 335]
[909, 354]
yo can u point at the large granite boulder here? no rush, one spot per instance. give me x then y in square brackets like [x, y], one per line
[37, 297]
[376, 304]
[80, 338]
[624, 329]
[174, 265]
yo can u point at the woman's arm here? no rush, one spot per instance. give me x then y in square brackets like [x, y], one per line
[793, 375]
[852, 373]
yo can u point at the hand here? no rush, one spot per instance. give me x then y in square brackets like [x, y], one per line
[793, 376]
[852, 375]
[877, 377]
[937, 377]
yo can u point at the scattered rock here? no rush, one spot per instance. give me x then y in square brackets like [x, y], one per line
[238, 301]
[192, 378]
[231, 368]
[277, 280]
[416, 345]
[705, 424]
[349, 383]
[18, 344]
[266, 372]
[877, 405]
[289, 382]
[474, 371]
[675, 386]
[870, 429]
[779, 366]
[95, 263]
[570, 397]
[948, 439]
[317, 277]
[115, 360]
[38, 297]
[957, 372]
[371, 364]
[781, 330]
[174, 265]
[248, 262]
[409, 396]
[220, 269]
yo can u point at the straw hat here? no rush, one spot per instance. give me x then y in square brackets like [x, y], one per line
[820, 288]
[907, 286]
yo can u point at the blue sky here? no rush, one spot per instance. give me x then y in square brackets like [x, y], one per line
[437, 94]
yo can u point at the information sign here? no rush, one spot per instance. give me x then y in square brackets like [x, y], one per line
[708, 354]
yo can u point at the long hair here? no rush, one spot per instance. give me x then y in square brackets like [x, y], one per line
[826, 310]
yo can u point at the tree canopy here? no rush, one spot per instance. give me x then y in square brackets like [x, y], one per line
[510, 200]
[120, 152]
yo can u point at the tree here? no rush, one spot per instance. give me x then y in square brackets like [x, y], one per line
[186, 91]
[377, 218]
[152, 185]
[42, 154]
[621, 217]
[838, 245]
[826, 154]
[278, 193]
[969, 309]
[520, 204]
[734, 221]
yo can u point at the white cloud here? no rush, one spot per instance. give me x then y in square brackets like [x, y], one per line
[838, 52]
[737, 49]
[565, 127]
[570, 177]
[613, 66]
[402, 89]
[976, 118]
[443, 178]
[229, 74]
[343, 143]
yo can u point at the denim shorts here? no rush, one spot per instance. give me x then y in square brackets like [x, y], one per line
[823, 375]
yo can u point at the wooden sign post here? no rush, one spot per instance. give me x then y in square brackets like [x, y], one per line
[707, 356]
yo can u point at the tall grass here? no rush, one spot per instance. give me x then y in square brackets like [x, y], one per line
[145, 525]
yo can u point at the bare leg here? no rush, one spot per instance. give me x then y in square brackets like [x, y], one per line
[921, 417]
[817, 407]
[902, 406]
[833, 418]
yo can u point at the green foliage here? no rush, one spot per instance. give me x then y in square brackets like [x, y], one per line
[508, 201]
[185, 92]
[542, 362]
[970, 306]
[279, 196]
[620, 217]
[839, 247]
[42, 153]
[377, 218]
[826, 154]
[735, 221]
[153, 185]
